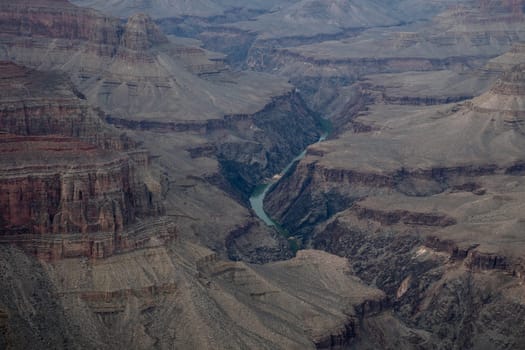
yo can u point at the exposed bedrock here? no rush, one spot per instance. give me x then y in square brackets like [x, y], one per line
[37, 18]
[249, 147]
[140, 33]
[389, 158]
[234, 43]
[80, 201]
[427, 207]
[156, 297]
[62, 208]
[58, 197]
[30, 304]
[43, 103]
[278, 133]
[136, 73]
[147, 83]
[213, 132]
[66, 175]
[62, 20]
[433, 288]
[324, 67]
[313, 193]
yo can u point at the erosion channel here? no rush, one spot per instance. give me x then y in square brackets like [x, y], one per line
[257, 197]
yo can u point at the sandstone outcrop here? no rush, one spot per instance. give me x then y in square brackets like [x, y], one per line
[419, 193]
[37, 103]
[144, 81]
[157, 296]
[70, 184]
[65, 207]
[434, 191]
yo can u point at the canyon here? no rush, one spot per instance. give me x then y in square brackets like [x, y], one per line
[134, 133]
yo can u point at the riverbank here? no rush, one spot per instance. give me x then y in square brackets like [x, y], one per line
[257, 197]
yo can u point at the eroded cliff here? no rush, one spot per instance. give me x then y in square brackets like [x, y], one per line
[66, 175]
[424, 204]
[419, 192]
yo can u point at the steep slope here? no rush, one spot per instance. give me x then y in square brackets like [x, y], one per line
[431, 194]
[111, 239]
[156, 298]
[66, 175]
[130, 69]
[178, 8]
[90, 260]
[128, 249]
[145, 82]
[313, 17]
[461, 38]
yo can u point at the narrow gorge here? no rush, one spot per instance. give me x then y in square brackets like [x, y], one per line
[167, 180]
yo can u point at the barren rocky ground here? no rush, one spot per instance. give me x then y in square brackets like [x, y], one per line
[132, 134]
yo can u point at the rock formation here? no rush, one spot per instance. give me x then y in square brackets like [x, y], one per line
[176, 8]
[64, 171]
[458, 39]
[129, 70]
[437, 177]
[127, 157]
[144, 81]
[157, 296]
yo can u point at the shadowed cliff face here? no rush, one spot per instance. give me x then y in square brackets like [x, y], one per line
[284, 128]
[145, 82]
[324, 65]
[128, 216]
[425, 204]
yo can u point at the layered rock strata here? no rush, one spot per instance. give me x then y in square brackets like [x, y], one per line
[157, 296]
[144, 81]
[65, 172]
[431, 194]
[459, 39]
[131, 70]
[94, 194]
[37, 103]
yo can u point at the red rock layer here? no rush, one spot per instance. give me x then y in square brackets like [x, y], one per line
[69, 184]
[56, 185]
[39, 18]
[42, 103]
[106, 36]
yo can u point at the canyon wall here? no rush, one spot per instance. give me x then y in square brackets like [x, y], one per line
[66, 172]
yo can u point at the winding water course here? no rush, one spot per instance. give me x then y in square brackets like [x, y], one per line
[257, 197]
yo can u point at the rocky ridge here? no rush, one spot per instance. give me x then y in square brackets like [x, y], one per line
[325, 68]
[142, 80]
[151, 297]
[169, 8]
[433, 241]
[116, 235]
[447, 209]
